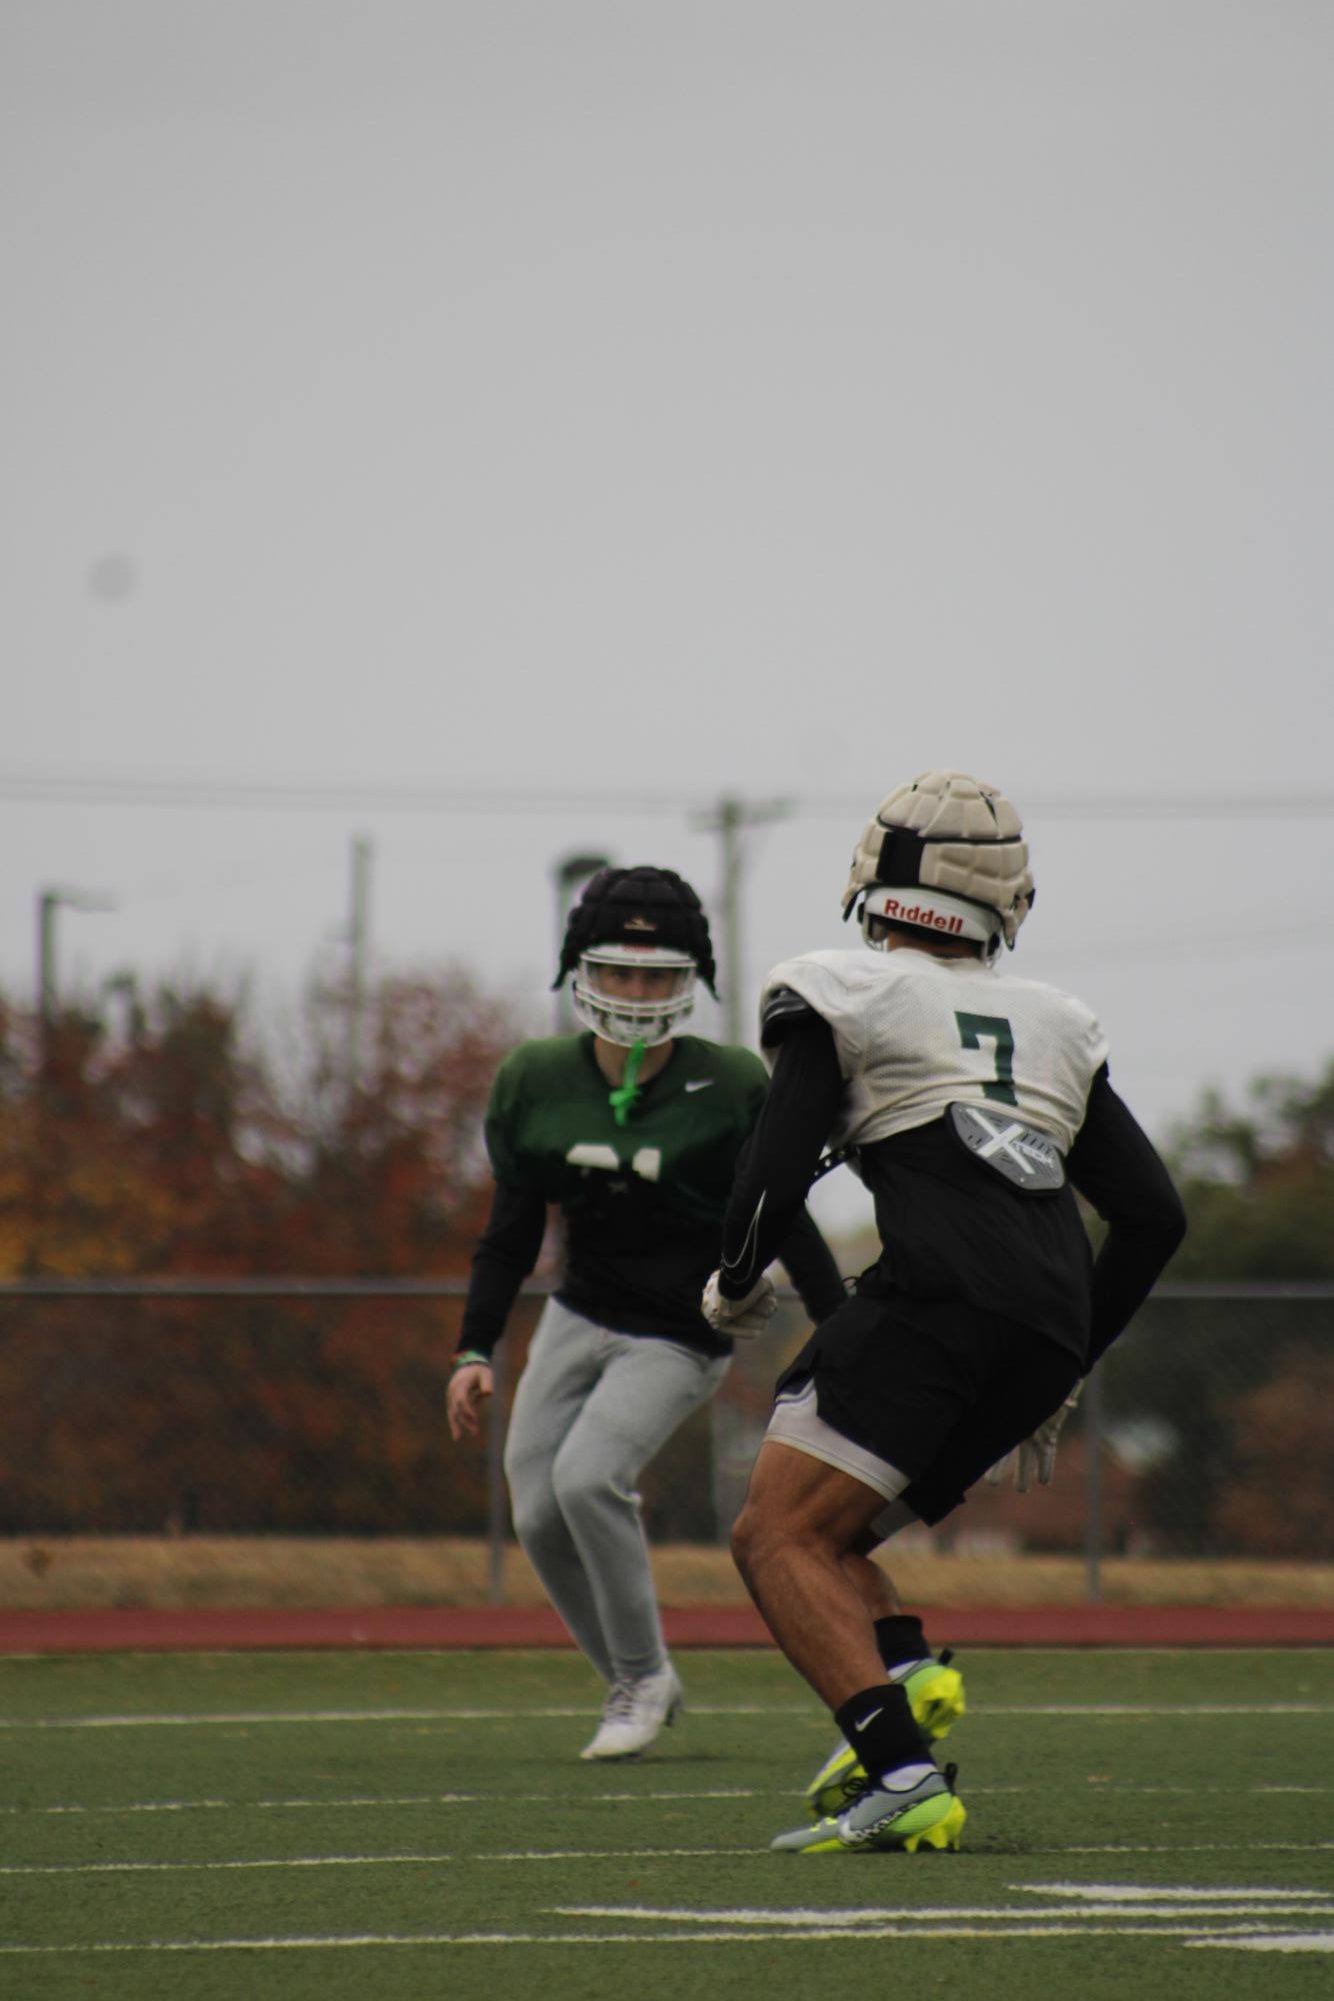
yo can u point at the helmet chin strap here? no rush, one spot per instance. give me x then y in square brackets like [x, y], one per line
[623, 1097]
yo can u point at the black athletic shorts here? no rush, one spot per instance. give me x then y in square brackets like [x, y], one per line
[939, 1389]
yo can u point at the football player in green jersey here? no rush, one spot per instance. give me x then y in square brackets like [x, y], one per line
[633, 1131]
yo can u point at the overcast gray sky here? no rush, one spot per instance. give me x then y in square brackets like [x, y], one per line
[581, 409]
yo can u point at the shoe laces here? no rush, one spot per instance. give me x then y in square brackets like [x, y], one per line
[620, 1702]
[855, 1789]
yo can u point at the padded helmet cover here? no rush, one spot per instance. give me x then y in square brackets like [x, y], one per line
[947, 831]
[638, 906]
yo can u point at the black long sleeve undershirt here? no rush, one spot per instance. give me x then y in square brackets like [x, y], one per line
[506, 1252]
[780, 1157]
[1116, 1168]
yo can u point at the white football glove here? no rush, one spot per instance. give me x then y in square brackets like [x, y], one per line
[1037, 1454]
[743, 1317]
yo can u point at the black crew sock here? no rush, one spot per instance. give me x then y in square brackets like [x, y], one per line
[878, 1724]
[899, 1637]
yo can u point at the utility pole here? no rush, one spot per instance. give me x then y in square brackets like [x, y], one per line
[729, 818]
[48, 902]
[569, 876]
[359, 945]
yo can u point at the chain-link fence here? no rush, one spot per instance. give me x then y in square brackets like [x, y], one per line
[308, 1407]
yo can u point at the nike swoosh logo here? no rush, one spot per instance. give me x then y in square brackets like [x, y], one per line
[700, 1083]
[863, 1721]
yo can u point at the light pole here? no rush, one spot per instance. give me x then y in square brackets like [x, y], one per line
[569, 875]
[729, 818]
[48, 902]
[359, 941]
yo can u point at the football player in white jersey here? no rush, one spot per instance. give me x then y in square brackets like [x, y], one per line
[973, 1104]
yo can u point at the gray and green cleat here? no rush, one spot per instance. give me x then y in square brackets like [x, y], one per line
[935, 1691]
[927, 1815]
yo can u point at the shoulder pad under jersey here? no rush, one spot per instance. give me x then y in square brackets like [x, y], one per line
[783, 1011]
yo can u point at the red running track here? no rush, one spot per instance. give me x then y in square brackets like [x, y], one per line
[109, 1630]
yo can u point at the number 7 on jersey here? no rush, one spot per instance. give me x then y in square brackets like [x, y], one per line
[974, 1030]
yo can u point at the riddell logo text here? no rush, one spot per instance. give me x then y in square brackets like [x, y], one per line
[914, 913]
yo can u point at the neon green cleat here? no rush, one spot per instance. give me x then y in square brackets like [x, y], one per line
[935, 1690]
[928, 1815]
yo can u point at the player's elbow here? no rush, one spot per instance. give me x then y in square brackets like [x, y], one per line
[1159, 1237]
[1171, 1225]
[1153, 1231]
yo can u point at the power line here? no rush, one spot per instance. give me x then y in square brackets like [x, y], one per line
[342, 795]
[201, 791]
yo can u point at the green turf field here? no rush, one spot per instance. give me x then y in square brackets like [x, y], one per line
[414, 1825]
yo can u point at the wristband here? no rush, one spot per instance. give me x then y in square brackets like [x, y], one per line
[468, 1358]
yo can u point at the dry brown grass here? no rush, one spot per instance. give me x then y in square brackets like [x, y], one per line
[64, 1572]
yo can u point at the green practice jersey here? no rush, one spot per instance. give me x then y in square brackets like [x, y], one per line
[642, 1202]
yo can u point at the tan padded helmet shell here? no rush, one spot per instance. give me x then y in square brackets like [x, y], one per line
[963, 836]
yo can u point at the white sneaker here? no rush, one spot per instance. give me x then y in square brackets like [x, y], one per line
[634, 1713]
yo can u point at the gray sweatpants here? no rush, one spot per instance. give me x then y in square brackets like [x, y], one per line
[590, 1410]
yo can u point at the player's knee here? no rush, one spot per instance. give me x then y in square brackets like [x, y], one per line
[739, 1543]
[582, 1492]
[536, 1515]
[751, 1537]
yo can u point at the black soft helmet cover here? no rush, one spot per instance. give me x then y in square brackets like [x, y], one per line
[638, 906]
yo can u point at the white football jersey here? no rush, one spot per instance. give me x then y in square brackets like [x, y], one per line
[915, 1033]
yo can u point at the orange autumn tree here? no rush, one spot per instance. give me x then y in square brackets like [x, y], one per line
[162, 1144]
[395, 1154]
[135, 1147]
[396, 1184]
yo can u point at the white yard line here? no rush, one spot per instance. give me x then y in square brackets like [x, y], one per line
[229, 1719]
[1155, 1893]
[224, 1720]
[1249, 1937]
[1188, 1848]
[1264, 1904]
[361, 1803]
[1099, 1910]
[1279, 1942]
[1175, 1709]
[645, 1854]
